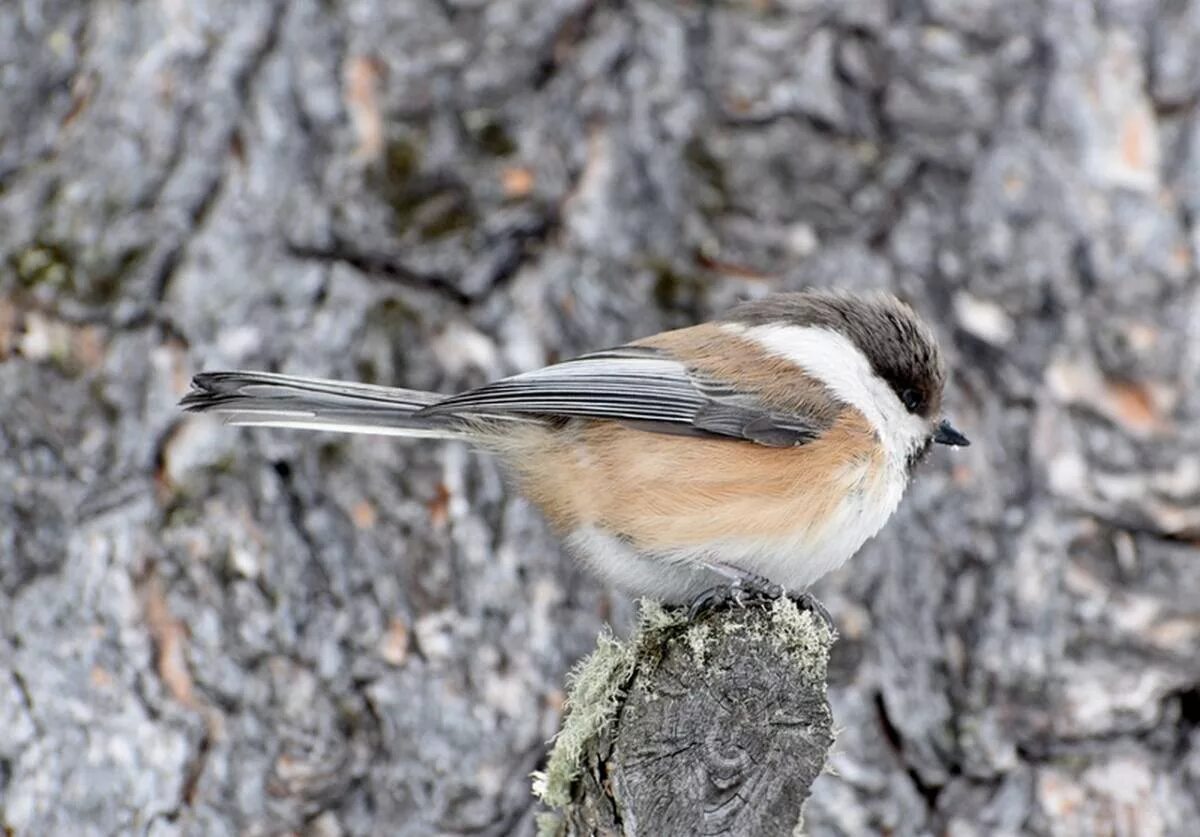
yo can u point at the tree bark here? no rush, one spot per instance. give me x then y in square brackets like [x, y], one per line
[717, 726]
[206, 630]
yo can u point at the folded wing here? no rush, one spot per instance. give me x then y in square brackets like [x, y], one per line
[635, 385]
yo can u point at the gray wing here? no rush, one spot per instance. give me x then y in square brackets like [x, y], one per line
[638, 386]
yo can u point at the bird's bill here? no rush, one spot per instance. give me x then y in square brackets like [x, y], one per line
[945, 434]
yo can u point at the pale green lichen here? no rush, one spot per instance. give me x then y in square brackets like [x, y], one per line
[698, 638]
[655, 617]
[548, 824]
[792, 630]
[594, 690]
[802, 636]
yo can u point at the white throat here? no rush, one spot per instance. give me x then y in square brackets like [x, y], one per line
[833, 359]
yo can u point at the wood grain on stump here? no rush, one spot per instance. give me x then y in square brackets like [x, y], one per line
[717, 726]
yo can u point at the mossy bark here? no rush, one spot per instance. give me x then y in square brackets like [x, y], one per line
[713, 726]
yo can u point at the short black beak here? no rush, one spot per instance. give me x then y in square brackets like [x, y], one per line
[945, 434]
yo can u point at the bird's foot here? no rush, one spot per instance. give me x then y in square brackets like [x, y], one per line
[709, 600]
[746, 588]
[743, 589]
[807, 601]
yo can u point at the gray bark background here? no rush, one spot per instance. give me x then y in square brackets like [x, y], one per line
[209, 630]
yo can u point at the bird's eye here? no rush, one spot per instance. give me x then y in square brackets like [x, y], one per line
[912, 399]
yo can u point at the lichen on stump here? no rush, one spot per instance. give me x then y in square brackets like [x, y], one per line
[717, 725]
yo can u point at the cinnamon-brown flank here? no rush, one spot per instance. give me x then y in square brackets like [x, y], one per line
[662, 492]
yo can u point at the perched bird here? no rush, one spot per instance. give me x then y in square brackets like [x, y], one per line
[763, 447]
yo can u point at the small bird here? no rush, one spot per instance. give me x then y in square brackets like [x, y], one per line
[764, 447]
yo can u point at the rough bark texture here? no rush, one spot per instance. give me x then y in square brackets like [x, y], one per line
[207, 630]
[717, 725]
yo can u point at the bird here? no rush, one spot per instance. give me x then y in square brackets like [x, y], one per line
[763, 447]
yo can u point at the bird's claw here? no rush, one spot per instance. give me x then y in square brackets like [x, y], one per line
[807, 601]
[742, 591]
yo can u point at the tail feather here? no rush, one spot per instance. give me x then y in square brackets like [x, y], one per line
[265, 399]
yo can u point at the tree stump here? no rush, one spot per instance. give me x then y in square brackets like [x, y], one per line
[713, 726]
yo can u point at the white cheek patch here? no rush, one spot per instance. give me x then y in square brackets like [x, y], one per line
[833, 359]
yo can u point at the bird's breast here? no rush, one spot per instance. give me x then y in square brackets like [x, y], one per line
[790, 514]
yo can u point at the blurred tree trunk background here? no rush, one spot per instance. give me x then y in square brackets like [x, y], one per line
[220, 631]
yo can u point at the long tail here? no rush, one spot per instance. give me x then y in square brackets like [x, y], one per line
[265, 399]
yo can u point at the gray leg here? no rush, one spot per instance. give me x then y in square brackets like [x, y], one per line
[745, 587]
[745, 580]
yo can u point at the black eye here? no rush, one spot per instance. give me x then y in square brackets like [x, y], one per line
[912, 400]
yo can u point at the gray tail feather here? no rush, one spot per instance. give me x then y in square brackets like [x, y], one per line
[266, 399]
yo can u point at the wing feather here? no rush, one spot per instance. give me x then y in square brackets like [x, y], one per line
[637, 385]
